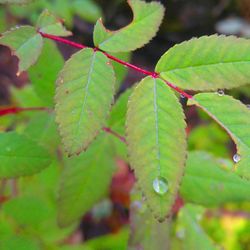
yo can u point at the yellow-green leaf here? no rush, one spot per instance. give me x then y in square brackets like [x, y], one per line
[207, 63]
[234, 117]
[84, 94]
[146, 21]
[156, 143]
[25, 43]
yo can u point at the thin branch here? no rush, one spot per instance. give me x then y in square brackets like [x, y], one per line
[15, 110]
[126, 64]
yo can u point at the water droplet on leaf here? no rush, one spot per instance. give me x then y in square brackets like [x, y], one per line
[8, 149]
[160, 185]
[220, 92]
[236, 158]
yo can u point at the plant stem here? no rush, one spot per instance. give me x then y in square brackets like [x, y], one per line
[126, 64]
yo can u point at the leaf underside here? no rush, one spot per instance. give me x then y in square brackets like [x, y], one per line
[205, 174]
[156, 141]
[234, 117]
[84, 94]
[25, 43]
[146, 21]
[207, 63]
[21, 156]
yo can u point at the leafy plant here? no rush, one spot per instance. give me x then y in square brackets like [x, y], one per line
[146, 122]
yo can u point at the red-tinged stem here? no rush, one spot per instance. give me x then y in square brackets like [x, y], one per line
[110, 131]
[126, 64]
[15, 110]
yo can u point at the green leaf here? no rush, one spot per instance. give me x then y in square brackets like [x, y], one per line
[84, 95]
[49, 24]
[234, 117]
[25, 43]
[20, 156]
[146, 21]
[87, 9]
[207, 63]
[189, 233]
[205, 174]
[42, 130]
[43, 76]
[85, 180]
[156, 143]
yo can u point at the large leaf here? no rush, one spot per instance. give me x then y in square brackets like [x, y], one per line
[207, 63]
[234, 117]
[16, 1]
[43, 76]
[146, 21]
[25, 43]
[189, 233]
[205, 174]
[49, 24]
[145, 232]
[84, 95]
[156, 143]
[85, 180]
[20, 156]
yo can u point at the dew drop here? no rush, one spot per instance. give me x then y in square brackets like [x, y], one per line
[181, 233]
[8, 149]
[160, 185]
[182, 96]
[220, 92]
[18, 73]
[236, 158]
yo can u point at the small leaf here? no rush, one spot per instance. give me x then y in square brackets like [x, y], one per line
[20, 156]
[84, 94]
[25, 43]
[207, 63]
[49, 24]
[85, 180]
[234, 117]
[146, 21]
[205, 174]
[43, 76]
[189, 233]
[156, 143]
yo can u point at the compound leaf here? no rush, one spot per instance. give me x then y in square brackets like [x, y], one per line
[49, 24]
[234, 117]
[212, 176]
[84, 94]
[85, 180]
[207, 63]
[25, 43]
[156, 143]
[146, 21]
[21, 156]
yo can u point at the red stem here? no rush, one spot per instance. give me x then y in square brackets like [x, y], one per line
[126, 64]
[110, 131]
